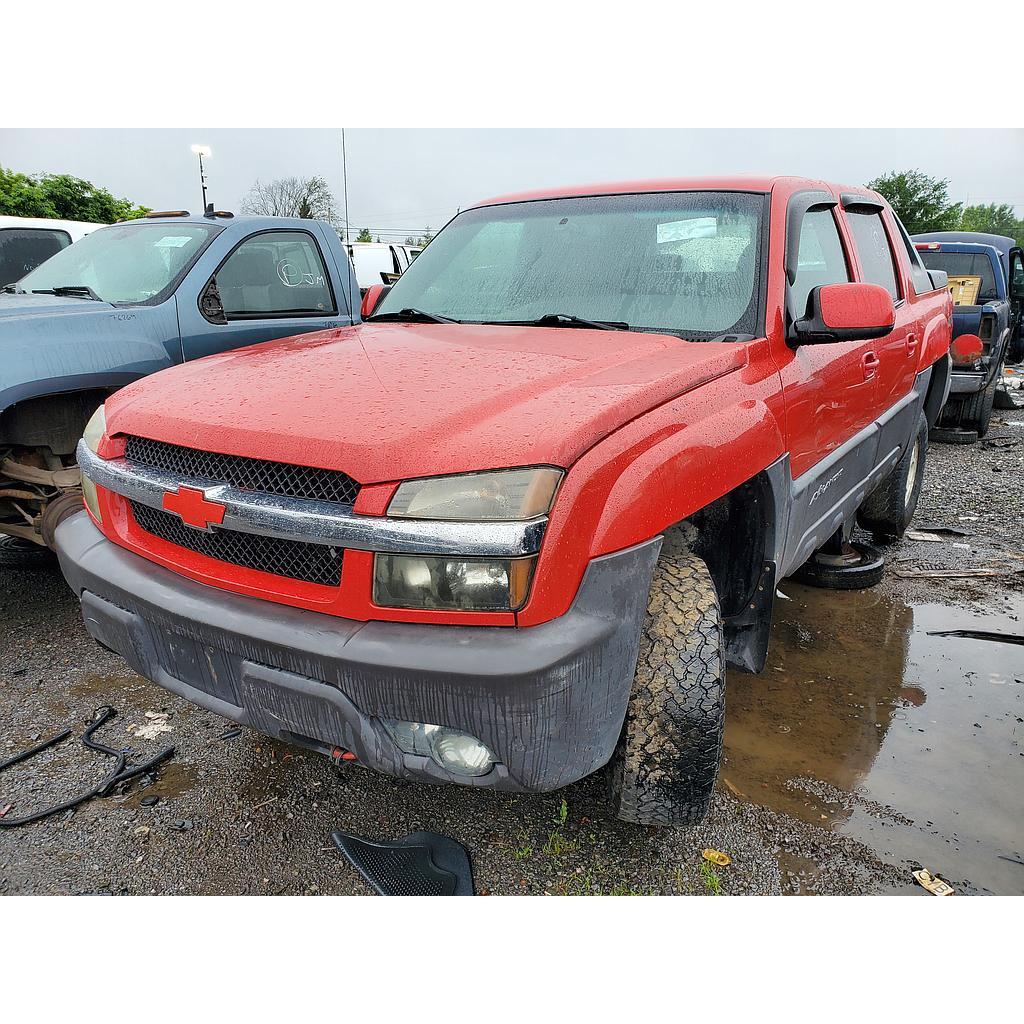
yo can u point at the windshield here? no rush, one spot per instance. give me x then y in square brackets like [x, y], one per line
[127, 263]
[964, 264]
[682, 262]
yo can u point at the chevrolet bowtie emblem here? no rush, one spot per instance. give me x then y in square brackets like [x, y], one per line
[191, 506]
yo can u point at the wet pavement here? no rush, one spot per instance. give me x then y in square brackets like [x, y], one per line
[866, 748]
[909, 743]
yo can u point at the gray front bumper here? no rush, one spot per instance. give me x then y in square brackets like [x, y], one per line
[548, 700]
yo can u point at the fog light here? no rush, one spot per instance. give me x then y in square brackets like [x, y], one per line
[455, 751]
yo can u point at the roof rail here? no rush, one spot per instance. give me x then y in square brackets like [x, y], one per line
[167, 213]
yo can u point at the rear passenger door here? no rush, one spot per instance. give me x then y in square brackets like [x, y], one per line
[831, 389]
[272, 284]
[897, 352]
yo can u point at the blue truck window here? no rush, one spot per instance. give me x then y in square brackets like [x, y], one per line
[965, 264]
[275, 273]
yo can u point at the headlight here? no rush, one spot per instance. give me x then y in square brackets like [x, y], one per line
[507, 494]
[452, 584]
[94, 431]
[458, 752]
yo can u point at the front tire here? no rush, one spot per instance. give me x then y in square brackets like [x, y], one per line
[664, 768]
[889, 509]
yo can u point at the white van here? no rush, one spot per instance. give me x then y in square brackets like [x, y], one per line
[25, 242]
[380, 262]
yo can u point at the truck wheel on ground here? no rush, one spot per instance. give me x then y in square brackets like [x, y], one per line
[857, 567]
[952, 435]
[664, 768]
[890, 507]
[976, 410]
[16, 553]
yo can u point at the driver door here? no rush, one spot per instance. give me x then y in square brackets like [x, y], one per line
[273, 284]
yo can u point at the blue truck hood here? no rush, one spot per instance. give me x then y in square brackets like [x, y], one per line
[51, 344]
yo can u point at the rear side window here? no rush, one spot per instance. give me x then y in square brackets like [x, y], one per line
[277, 273]
[23, 249]
[965, 264]
[918, 271]
[873, 249]
[820, 259]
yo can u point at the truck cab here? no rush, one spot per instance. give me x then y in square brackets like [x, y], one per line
[988, 325]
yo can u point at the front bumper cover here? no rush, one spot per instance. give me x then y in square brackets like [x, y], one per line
[548, 700]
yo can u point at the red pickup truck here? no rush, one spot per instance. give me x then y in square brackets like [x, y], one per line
[509, 528]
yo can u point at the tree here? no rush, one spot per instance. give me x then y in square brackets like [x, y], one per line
[291, 197]
[364, 236]
[920, 201]
[62, 196]
[993, 219]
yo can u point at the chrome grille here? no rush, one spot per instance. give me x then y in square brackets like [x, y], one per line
[313, 563]
[251, 474]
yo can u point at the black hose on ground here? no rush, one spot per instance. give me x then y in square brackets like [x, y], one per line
[120, 773]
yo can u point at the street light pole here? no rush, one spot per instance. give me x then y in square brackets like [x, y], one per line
[202, 151]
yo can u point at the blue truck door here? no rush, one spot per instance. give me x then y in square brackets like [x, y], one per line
[275, 282]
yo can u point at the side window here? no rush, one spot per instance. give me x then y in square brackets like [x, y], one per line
[918, 271]
[277, 273]
[873, 249]
[820, 259]
[23, 249]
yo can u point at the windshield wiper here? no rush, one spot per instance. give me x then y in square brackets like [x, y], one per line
[12, 289]
[79, 291]
[414, 315]
[565, 320]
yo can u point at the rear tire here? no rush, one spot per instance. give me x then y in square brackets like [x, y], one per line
[664, 768]
[889, 509]
[976, 409]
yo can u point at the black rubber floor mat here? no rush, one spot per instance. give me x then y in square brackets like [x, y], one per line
[421, 864]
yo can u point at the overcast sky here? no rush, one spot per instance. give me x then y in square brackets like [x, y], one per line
[402, 180]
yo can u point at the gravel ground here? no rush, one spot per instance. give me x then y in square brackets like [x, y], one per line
[238, 813]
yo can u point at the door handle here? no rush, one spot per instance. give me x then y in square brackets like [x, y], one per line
[870, 362]
[911, 343]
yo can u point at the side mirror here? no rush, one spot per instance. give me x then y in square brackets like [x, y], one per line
[210, 304]
[372, 298]
[845, 312]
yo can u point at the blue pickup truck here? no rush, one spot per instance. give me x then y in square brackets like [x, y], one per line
[993, 266]
[128, 300]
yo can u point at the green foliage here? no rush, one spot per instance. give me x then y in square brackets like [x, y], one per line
[558, 846]
[364, 236]
[712, 882]
[62, 196]
[993, 219]
[920, 201]
[562, 814]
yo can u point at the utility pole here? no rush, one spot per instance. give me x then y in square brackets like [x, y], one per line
[344, 178]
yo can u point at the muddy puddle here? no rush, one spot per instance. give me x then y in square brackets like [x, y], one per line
[911, 743]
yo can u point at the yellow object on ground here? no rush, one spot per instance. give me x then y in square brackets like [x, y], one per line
[935, 885]
[717, 857]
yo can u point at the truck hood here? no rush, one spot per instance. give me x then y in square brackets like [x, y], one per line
[49, 343]
[391, 401]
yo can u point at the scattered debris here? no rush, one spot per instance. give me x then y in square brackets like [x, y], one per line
[979, 634]
[421, 864]
[156, 725]
[229, 734]
[935, 885]
[925, 535]
[723, 860]
[120, 773]
[946, 531]
[150, 801]
[951, 574]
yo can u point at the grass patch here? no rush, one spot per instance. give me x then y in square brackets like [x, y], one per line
[712, 882]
